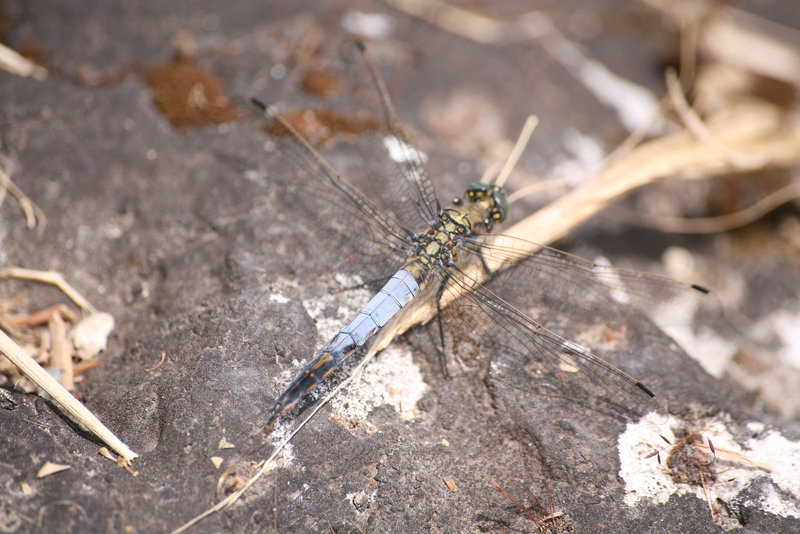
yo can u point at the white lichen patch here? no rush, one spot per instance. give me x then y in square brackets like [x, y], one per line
[765, 454]
[784, 457]
[277, 297]
[370, 25]
[401, 152]
[392, 378]
[277, 436]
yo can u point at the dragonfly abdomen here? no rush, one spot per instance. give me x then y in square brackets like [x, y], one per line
[393, 296]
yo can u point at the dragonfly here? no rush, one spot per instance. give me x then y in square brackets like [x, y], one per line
[419, 250]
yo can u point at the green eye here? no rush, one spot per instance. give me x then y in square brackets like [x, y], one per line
[478, 189]
[500, 211]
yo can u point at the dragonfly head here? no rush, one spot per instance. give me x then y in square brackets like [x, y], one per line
[495, 198]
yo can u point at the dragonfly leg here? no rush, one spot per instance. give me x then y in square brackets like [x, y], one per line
[485, 266]
[440, 322]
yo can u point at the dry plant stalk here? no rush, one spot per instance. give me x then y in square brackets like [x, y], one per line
[34, 216]
[459, 21]
[732, 456]
[11, 61]
[61, 355]
[49, 277]
[73, 406]
[42, 378]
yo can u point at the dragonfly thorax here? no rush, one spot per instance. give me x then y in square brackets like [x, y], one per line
[438, 244]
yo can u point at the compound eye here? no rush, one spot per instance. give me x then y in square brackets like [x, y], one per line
[477, 189]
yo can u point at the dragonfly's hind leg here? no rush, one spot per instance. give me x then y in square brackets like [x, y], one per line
[439, 318]
[440, 322]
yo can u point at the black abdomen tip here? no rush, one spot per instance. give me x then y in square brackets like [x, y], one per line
[701, 289]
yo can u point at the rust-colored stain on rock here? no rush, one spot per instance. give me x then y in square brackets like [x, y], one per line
[320, 126]
[320, 83]
[188, 96]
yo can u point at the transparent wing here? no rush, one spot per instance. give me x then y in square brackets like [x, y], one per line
[551, 317]
[563, 279]
[373, 190]
[334, 205]
[410, 194]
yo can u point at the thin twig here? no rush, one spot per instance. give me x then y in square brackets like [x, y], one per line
[52, 278]
[713, 225]
[160, 362]
[522, 141]
[695, 124]
[81, 414]
[34, 216]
